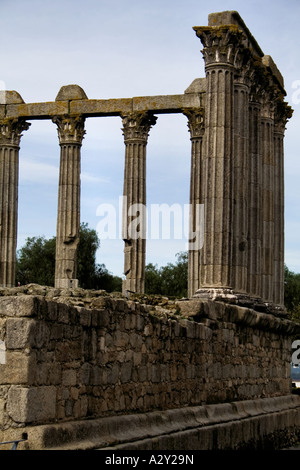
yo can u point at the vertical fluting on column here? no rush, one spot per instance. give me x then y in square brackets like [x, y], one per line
[282, 114]
[197, 191]
[240, 183]
[268, 182]
[70, 134]
[221, 45]
[254, 283]
[136, 128]
[10, 135]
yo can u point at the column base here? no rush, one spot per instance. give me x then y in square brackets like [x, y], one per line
[66, 283]
[219, 294]
[132, 286]
[226, 294]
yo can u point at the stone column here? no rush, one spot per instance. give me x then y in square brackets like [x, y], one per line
[240, 174]
[268, 194]
[254, 285]
[10, 135]
[70, 134]
[282, 114]
[197, 194]
[221, 45]
[136, 127]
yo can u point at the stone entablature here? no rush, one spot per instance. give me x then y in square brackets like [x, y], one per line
[236, 116]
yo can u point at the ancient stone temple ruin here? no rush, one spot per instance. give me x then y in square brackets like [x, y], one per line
[215, 365]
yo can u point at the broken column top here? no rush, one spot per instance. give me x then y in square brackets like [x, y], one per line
[233, 17]
[229, 18]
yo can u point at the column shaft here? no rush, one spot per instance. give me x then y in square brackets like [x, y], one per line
[10, 135]
[197, 192]
[268, 181]
[255, 203]
[70, 132]
[136, 128]
[240, 188]
[218, 152]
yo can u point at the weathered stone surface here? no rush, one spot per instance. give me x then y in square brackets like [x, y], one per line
[31, 405]
[10, 97]
[166, 354]
[71, 92]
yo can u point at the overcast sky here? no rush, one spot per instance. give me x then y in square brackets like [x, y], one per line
[121, 49]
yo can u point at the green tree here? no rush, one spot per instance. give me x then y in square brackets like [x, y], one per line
[86, 256]
[292, 293]
[36, 262]
[170, 280]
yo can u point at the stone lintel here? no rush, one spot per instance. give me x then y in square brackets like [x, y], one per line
[167, 103]
[94, 107]
[233, 18]
[110, 107]
[37, 110]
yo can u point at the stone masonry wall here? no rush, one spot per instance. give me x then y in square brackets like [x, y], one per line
[76, 357]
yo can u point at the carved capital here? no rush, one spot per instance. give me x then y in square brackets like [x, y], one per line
[136, 126]
[221, 43]
[70, 129]
[282, 113]
[11, 131]
[196, 122]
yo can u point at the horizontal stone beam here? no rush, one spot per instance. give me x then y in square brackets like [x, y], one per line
[111, 107]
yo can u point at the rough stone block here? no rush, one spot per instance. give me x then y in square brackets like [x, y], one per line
[31, 405]
[18, 306]
[20, 333]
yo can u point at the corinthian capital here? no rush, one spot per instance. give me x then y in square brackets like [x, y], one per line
[11, 131]
[70, 129]
[136, 126]
[221, 43]
[196, 123]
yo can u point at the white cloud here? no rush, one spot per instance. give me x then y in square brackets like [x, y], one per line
[37, 172]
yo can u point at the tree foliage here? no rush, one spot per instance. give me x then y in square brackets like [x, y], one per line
[292, 293]
[36, 262]
[170, 280]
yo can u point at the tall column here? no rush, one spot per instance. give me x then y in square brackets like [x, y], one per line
[254, 285]
[70, 134]
[221, 45]
[282, 114]
[197, 192]
[10, 135]
[268, 194]
[136, 127]
[240, 185]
